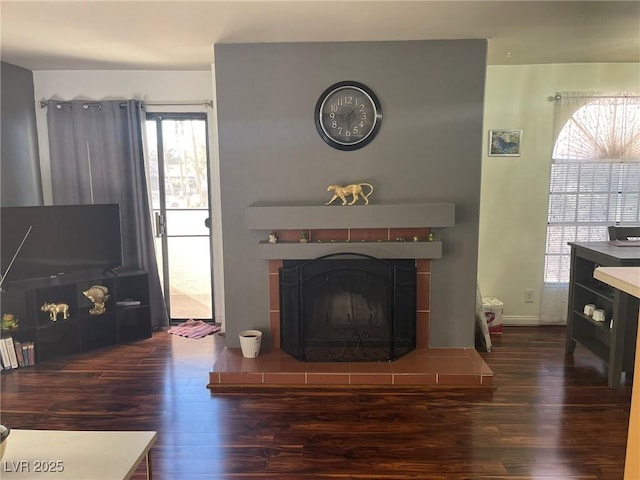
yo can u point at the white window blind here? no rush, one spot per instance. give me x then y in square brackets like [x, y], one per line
[595, 178]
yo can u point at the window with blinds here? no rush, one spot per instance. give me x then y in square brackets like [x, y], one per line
[595, 179]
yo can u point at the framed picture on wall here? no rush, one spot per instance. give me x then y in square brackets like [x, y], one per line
[505, 143]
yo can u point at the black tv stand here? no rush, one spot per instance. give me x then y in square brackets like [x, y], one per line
[82, 331]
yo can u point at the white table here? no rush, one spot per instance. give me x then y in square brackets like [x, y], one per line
[75, 455]
[627, 279]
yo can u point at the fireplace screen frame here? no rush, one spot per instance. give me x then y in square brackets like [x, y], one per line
[392, 290]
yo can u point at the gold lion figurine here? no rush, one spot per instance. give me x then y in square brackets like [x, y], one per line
[355, 190]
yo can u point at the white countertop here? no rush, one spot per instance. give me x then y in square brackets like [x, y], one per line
[626, 279]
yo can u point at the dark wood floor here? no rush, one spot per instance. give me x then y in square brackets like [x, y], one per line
[550, 416]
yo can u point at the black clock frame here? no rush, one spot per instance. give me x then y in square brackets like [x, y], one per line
[318, 115]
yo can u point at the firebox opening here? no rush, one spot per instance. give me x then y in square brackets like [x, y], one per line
[348, 308]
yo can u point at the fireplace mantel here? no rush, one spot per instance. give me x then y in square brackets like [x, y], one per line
[275, 217]
[313, 217]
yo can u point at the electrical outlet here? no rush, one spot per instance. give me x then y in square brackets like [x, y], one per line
[528, 295]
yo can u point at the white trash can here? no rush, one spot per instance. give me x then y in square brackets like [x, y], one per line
[250, 343]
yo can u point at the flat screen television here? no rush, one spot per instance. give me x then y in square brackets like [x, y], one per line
[59, 239]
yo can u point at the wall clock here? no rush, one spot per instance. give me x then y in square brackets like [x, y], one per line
[348, 115]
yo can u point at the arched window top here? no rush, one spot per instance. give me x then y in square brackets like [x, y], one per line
[604, 130]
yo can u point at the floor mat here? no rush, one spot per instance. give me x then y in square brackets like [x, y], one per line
[194, 329]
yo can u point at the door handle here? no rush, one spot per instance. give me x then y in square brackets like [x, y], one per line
[160, 225]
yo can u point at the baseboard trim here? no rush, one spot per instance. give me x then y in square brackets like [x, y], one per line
[523, 320]
[530, 320]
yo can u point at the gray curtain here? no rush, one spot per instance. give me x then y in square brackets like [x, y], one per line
[97, 157]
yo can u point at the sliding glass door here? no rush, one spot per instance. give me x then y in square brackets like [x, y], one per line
[178, 171]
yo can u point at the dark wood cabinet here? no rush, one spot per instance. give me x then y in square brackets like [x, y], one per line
[127, 317]
[614, 339]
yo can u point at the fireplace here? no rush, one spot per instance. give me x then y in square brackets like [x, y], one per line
[400, 234]
[348, 308]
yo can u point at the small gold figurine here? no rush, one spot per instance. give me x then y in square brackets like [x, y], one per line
[355, 190]
[98, 294]
[9, 321]
[54, 309]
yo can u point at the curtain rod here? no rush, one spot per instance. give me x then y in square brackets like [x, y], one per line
[206, 103]
[559, 96]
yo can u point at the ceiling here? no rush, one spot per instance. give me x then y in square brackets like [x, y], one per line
[179, 35]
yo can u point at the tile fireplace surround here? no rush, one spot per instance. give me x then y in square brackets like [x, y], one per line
[382, 231]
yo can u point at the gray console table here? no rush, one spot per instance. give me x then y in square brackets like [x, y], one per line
[613, 342]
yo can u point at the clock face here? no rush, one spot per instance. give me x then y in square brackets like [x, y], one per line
[348, 115]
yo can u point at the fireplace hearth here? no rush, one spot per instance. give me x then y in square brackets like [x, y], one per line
[348, 308]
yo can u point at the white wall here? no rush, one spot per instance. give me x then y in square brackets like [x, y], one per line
[515, 190]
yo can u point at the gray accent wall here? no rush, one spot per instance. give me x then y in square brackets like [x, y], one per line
[21, 183]
[428, 150]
